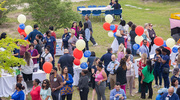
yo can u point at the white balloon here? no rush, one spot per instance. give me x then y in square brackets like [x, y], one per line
[83, 59]
[21, 18]
[80, 44]
[108, 18]
[110, 34]
[170, 42]
[28, 29]
[138, 39]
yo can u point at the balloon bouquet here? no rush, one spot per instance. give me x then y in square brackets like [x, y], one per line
[22, 29]
[80, 58]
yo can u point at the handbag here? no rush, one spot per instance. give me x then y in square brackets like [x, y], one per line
[165, 70]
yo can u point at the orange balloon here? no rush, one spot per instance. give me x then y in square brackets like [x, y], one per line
[142, 43]
[47, 67]
[158, 41]
[106, 26]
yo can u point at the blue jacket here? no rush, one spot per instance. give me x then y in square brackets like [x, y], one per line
[65, 40]
[106, 58]
[18, 95]
[33, 34]
[173, 97]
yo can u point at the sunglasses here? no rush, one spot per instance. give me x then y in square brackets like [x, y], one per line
[20, 77]
[44, 83]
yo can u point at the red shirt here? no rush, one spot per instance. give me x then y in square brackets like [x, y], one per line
[141, 66]
[54, 35]
[35, 93]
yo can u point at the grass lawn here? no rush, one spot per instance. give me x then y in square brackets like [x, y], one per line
[158, 14]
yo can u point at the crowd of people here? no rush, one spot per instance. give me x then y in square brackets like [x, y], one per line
[113, 70]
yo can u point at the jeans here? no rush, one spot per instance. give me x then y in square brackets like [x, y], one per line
[140, 85]
[149, 85]
[166, 80]
[56, 95]
[84, 93]
[69, 97]
[120, 40]
[157, 74]
[92, 40]
[52, 53]
[87, 46]
[133, 51]
[100, 90]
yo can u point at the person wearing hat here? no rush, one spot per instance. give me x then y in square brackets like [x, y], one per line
[161, 92]
[176, 74]
[56, 84]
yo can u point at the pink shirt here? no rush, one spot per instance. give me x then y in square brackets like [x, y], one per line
[35, 93]
[99, 76]
[75, 31]
[23, 49]
[120, 56]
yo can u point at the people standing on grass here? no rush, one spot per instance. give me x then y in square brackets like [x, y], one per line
[157, 69]
[110, 68]
[152, 35]
[35, 92]
[83, 85]
[18, 94]
[87, 35]
[75, 28]
[120, 39]
[144, 48]
[146, 33]
[37, 46]
[65, 39]
[175, 84]
[45, 92]
[133, 35]
[72, 42]
[121, 74]
[170, 95]
[161, 92]
[100, 81]
[23, 48]
[120, 52]
[81, 32]
[27, 69]
[46, 57]
[33, 34]
[67, 89]
[176, 75]
[34, 53]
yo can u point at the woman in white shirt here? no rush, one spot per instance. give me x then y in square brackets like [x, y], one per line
[46, 56]
[27, 69]
[146, 33]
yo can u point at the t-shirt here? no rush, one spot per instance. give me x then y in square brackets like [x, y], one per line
[35, 93]
[149, 77]
[17, 51]
[45, 93]
[55, 81]
[166, 58]
[133, 35]
[158, 97]
[65, 39]
[18, 95]
[50, 42]
[157, 63]
[33, 54]
[47, 56]
[120, 27]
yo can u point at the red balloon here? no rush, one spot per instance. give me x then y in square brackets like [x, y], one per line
[106, 26]
[142, 43]
[77, 53]
[77, 62]
[158, 41]
[20, 30]
[115, 28]
[47, 67]
[139, 30]
[23, 33]
[168, 48]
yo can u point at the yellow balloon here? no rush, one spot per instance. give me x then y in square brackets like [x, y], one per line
[80, 44]
[83, 59]
[21, 18]
[170, 42]
[110, 34]
[28, 29]
[108, 18]
[138, 39]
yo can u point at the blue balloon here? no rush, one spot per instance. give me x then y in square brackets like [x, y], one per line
[84, 65]
[164, 45]
[112, 27]
[115, 34]
[174, 49]
[87, 53]
[26, 37]
[136, 46]
[22, 26]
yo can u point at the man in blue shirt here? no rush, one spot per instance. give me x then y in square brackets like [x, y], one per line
[144, 48]
[170, 95]
[65, 39]
[33, 34]
[107, 58]
[110, 68]
[117, 93]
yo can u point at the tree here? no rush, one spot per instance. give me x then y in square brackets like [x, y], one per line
[6, 58]
[52, 12]
[5, 7]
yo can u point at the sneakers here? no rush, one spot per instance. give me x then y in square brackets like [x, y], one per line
[155, 86]
[159, 86]
[95, 44]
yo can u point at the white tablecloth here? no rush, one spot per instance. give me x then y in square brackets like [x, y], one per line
[97, 8]
[77, 71]
[6, 82]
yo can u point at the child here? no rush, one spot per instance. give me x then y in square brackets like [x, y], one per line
[120, 52]
[83, 85]
[87, 35]
[157, 67]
